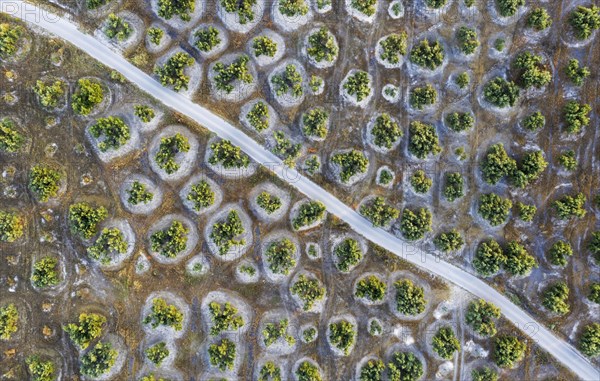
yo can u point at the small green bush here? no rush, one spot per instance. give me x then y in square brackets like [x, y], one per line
[85, 218]
[224, 317]
[312, 164]
[227, 75]
[372, 370]
[168, 149]
[11, 226]
[501, 93]
[559, 253]
[40, 370]
[280, 256]
[508, 8]
[228, 155]
[358, 85]
[322, 46]
[44, 182]
[164, 314]
[518, 260]
[385, 177]
[453, 186]
[423, 140]
[500, 44]
[576, 73]
[460, 121]
[258, 116]
[157, 353]
[538, 19]
[484, 374]
[292, 8]
[112, 133]
[366, 7]
[117, 28]
[99, 360]
[156, 35]
[45, 272]
[182, 8]
[378, 212]
[285, 149]
[50, 94]
[350, 163]
[308, 290]
[288, 82]
[144, 113]
[393, 47]
[530, 168]
[427, 54]
[342, 335]
[584, 21]
[222, 355]
[9, 37]
[468, 41]
[371, 288]
[172, 73]
[110, 243]
[225, 231]
[9, 321]
[462, 80]
[526, 212]
[348, 254]
[594, 246]
[420, 97]
[95, 4]
[576, 116]
[170, 241]
[243, 8]
[207, 38]
[445, 343]
[531, 71]
[534, 122]
[435, 4]
[11, 140]
[594, 295]
[264, 46]
[88, 95]
[315, 122]
[270, 203]
[497, 164]
[420, 182]
[589, 342]
[89, 328]
[556, 298]
[139, 194]
[274, 331]
[315, 83]
[489, 258]
[449, 241]
[201, 195]
[508, 350]
[270, 372]
[308, 213]
[410, 298]
[568, 160]
[385, 131]
[481, 316]
[570, 206]
[404, 366]
[307, 371]
[494, 209]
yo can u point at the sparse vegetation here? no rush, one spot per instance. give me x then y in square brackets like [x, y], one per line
[568, 160]
[371, 288]
[468, 41]
[156, 35]
[315, 122]
[222, 355]
[576, 73]
[556, 298]
[207, 38]
[157, 353]
[462, 80]
[50, 93]
[350, 163]
[274, 331]
[11, 140]
[570, 206]
[484, 374]
[39, 369]
[445, 343]
[494, 209]
[309, 334]
[421, 97]
[270, 372]
[526, 212]
[508, 350]
[264, 46]
[228, 155]
[99, 360]
[139, 194]
[348, 254]
[227, 75]
[258, 116]
[11, 226]
[534, 122]
[576, 116]
[117, 28]
[182, 8]
[460, 121]
[481, 316]
[404, 366]
[288, 82]
[367, 7]
[292, 8]
[144, 113]
[420, 182]
[501, 93]
[201, 195]
[242, 8]
[224, 317]
[110, 243]
[358, 85]
[286, 149]
[308, 213]
[280, 256]
[449, 241]
[393, 47]
[9, 321]
[322, 46]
